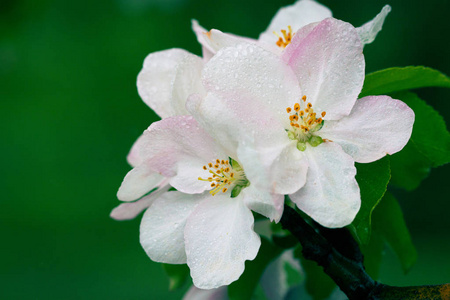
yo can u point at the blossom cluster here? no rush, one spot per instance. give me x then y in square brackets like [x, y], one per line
[248, 123]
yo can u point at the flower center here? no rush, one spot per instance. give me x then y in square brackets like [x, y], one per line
[305, 123]
[284, 40]
[226, 174]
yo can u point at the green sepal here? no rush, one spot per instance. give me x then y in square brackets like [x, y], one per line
[236, 191]
[315, 140]
[301, 146]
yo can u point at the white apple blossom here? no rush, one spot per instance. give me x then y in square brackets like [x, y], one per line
[169, 77]
[305, 100]
[207, 223]
[286, 22]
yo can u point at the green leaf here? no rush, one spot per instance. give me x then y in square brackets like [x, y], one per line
[244, 288]
[399, 79]
[430, 134]
[318, 284]
[178, 274]
[388, 221]
[409, 167]
[372, 179]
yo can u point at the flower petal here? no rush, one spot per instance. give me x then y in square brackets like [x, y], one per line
[329, 65]
[368, 32]
[331, 194]
[195, 293]
[297, 15]
[377, 125]
[279, 171]
[162, 227]
[167, 79]
[249, 89]
[219, 238]
[138, 182]
[134, 158]
[178, 148]
[266, 204]
[128, 211]
[202, 38]
[214, 40]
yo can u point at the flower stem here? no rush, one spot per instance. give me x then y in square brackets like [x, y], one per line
[338, 254]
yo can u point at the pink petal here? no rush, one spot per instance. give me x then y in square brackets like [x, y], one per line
[329, 66]
[178, 148]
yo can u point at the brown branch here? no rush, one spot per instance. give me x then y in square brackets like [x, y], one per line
[338, 254]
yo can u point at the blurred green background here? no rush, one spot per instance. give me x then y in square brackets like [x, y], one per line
[69, 112]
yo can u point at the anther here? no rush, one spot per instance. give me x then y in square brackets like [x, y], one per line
[323, 114]
[304, 98]
[296, 107]
[288, 109]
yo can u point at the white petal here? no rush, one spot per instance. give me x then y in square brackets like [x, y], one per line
[128, 211]
[331, 194]
[266, 204]
[162, 227]
[167, 79]
[214, 40]
[138, 182]
[279, 171]
[249, 89]
[202, 38]
[377, 125]
[368, 32]
[219, 238]
[329, 65]
[195, 293]
[178, 148]
[134, 158]
[297, 15]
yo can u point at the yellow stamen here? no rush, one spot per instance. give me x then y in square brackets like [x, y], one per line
[221, 177]
[286, 39]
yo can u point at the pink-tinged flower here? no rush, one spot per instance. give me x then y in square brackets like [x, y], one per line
[307, 101]
[164, 83]
[286, 22]
[169, 77]
[207, 223]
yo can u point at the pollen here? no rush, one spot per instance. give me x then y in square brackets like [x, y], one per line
[304, 120]
[285, 38]
[223, 176]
